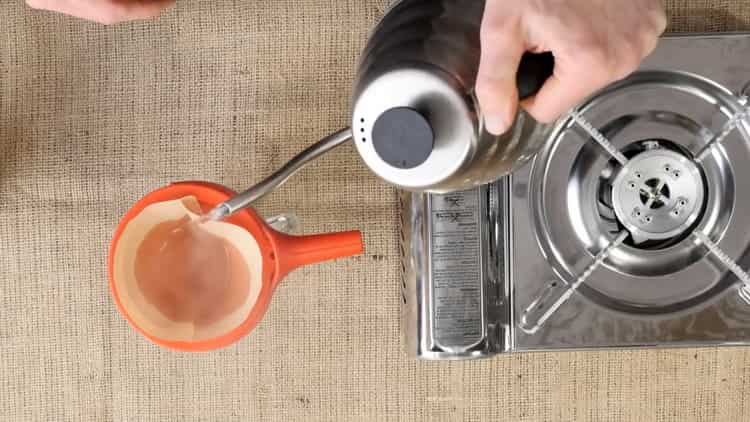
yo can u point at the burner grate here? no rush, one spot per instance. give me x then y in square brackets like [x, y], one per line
[657, 194]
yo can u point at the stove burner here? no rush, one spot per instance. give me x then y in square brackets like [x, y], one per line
[658, 194]
[649, 158]
[559, 269]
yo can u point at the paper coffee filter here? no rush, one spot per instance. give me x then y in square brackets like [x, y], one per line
[148, 317]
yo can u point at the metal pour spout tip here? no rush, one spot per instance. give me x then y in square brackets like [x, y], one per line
[217, 214]
[258, 191]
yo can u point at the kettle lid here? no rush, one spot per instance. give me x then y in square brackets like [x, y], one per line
[415, 126]
[403, 137]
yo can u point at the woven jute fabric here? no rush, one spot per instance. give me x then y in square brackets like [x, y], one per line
[93, 117]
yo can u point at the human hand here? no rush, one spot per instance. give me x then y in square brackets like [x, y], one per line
[104, 11]
[595, 42]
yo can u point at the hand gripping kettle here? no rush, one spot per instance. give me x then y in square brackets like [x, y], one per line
[415, 120]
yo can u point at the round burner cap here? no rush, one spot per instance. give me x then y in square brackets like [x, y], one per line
[658, 195]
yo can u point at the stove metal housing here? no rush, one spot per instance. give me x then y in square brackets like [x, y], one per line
[546, 260]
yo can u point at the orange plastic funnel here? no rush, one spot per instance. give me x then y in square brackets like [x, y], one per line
[161, 307]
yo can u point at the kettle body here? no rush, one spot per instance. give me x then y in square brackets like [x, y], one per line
[416, 122]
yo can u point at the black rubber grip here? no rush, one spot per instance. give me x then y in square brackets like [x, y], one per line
[533, 72]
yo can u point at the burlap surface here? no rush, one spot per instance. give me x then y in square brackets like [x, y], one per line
[93, 117]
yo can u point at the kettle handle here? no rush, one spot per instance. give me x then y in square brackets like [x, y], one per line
[533, 72]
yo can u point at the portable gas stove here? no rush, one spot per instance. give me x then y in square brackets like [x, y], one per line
[630, 228]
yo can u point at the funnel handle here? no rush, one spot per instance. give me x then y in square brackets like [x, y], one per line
[293, 252]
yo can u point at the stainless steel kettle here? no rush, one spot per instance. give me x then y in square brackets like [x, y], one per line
[415, 120]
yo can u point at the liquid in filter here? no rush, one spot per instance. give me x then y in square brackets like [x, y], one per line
[189, 274]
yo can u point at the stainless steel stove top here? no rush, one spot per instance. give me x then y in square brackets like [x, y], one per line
[623, 232]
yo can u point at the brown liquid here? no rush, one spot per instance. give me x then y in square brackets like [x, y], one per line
[189, 274]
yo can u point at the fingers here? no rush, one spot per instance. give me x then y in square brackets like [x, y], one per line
[63, 6]
[104, 11]
[581, 72]
[502, 48]
[141, 9]
[559, 94]
[589, 52]
[659, 22]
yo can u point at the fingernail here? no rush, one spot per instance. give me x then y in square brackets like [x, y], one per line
[495, 124]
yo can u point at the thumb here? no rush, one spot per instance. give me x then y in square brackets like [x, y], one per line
[502, 49]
